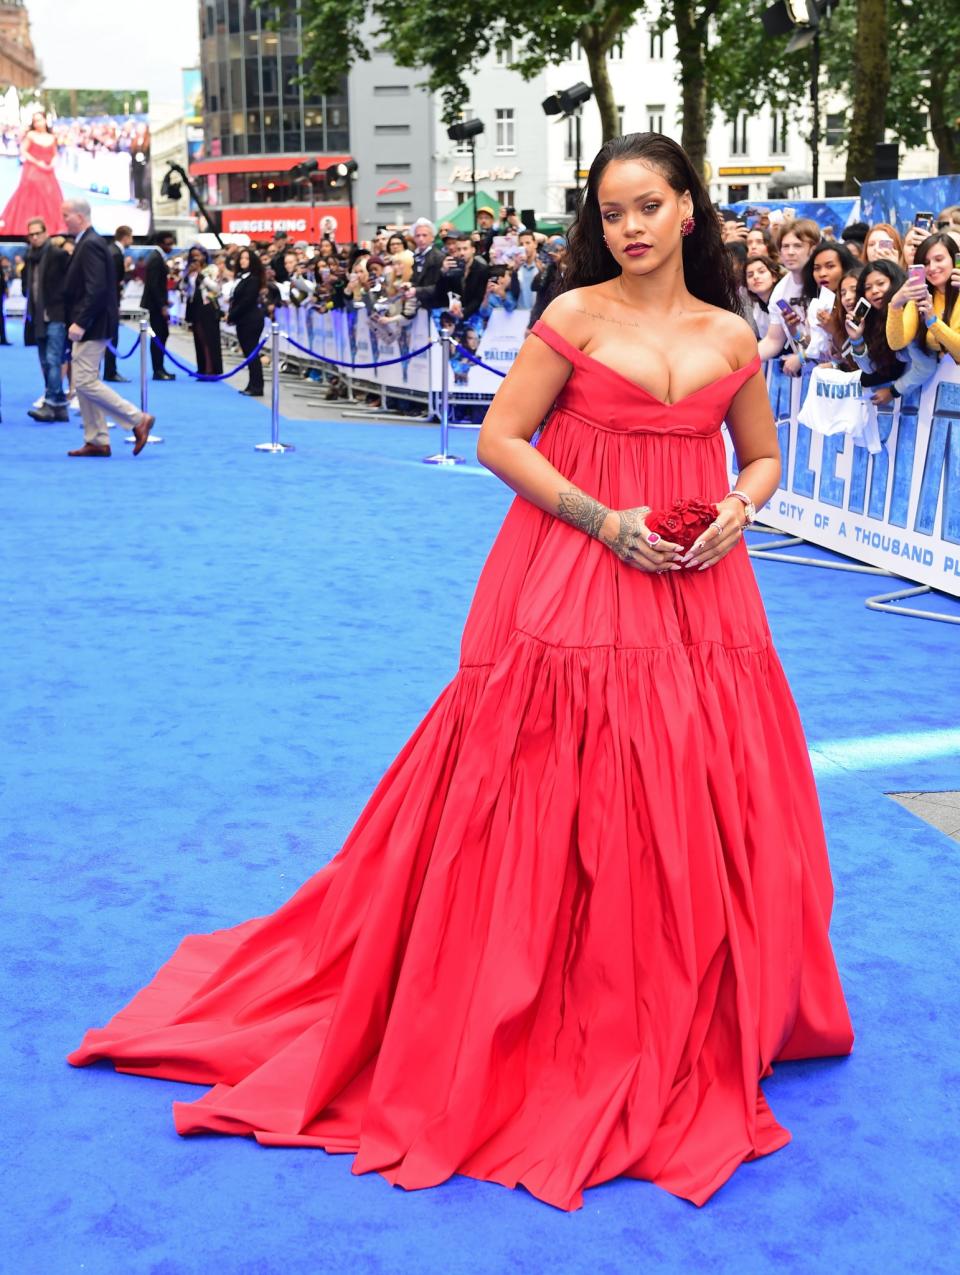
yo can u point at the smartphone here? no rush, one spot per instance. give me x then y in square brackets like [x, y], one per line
[917, 274]
[788, 312]
[827, 299]
[956, 261]
[887, 243]
[860, 310]
[923, 220]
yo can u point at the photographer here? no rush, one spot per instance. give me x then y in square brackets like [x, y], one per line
[884, 373]
[200, 288]
[502, 292]
[928, 314]
[549, 283]
[471, 282]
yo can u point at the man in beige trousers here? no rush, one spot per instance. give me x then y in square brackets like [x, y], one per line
[90, 295]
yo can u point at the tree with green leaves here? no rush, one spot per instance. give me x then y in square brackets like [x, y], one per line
[893, 60]
[449, 40]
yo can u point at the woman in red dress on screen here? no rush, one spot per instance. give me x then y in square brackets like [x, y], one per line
[39, 193]
[586, 909]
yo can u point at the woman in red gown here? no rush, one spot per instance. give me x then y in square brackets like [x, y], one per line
[586, 909]
[39, 193]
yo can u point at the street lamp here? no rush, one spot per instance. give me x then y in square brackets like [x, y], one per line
[569, 103]
[344, 174]
[802, 19]
[469, 131]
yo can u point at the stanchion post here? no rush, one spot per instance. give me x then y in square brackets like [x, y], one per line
[443, 457]
[144, 379]
[274, 446]
[144, 361]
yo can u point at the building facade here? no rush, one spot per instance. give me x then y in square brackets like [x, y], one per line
[19, 67]
[260, 124]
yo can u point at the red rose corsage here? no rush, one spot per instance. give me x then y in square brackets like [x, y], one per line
[684, 521]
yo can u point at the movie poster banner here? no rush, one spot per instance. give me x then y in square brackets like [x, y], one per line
[92, 144]
[897, 507]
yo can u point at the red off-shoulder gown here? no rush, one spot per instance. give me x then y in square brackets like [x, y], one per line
[587, 906]
[38, 194]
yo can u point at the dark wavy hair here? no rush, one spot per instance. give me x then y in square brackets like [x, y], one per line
[847, 261]
[884, 360]
[920, 259]
[707, 270]
[775, 269]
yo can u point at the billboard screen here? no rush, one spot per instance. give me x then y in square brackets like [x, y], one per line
[75, 143]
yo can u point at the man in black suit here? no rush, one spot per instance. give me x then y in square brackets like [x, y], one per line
[427, 263]
[155, 300]
[121, 241]
[471, 281]
[90, 297]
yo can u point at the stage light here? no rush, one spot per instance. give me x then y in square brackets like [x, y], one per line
[568, 101]
[465, 129]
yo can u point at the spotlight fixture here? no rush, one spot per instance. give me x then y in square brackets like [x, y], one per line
[465, 129]
[568, 101]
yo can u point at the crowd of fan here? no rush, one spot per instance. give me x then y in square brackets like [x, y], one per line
[811, 297]
[873, 300]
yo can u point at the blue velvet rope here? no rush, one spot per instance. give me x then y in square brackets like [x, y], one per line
[206, 376]
[342, 363]
[133, 349]
[479, 362]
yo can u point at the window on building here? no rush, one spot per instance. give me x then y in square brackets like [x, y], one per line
[391, 90]
[738, 134]
[503, 54]
[576, 51]
[656, 46]
[391, 130]
[616, 51]
[655, 118]
[391, 168]
[506, 135]
[620, 112]
[462, 197]
[778, 133]
[834, 189]
[834, 130]
[507, 197]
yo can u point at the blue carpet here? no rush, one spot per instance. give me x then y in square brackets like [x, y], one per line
[211, 655]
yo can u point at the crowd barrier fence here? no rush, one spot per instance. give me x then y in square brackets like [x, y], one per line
[896, 509]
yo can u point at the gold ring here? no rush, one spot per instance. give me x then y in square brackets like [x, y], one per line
[717, 528]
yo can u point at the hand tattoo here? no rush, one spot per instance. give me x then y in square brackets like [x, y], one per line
[630, 532]
[582, 511]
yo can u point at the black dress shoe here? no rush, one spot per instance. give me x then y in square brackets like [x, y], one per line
[252, 393]
[46, 414]
[164, 376]
[122, 380]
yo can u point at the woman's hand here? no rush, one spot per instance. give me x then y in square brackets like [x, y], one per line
[901, 297]
[883, 395]
[854, 330]
[955, 278]
[792, 365]
[625, 532]
[724, 534]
